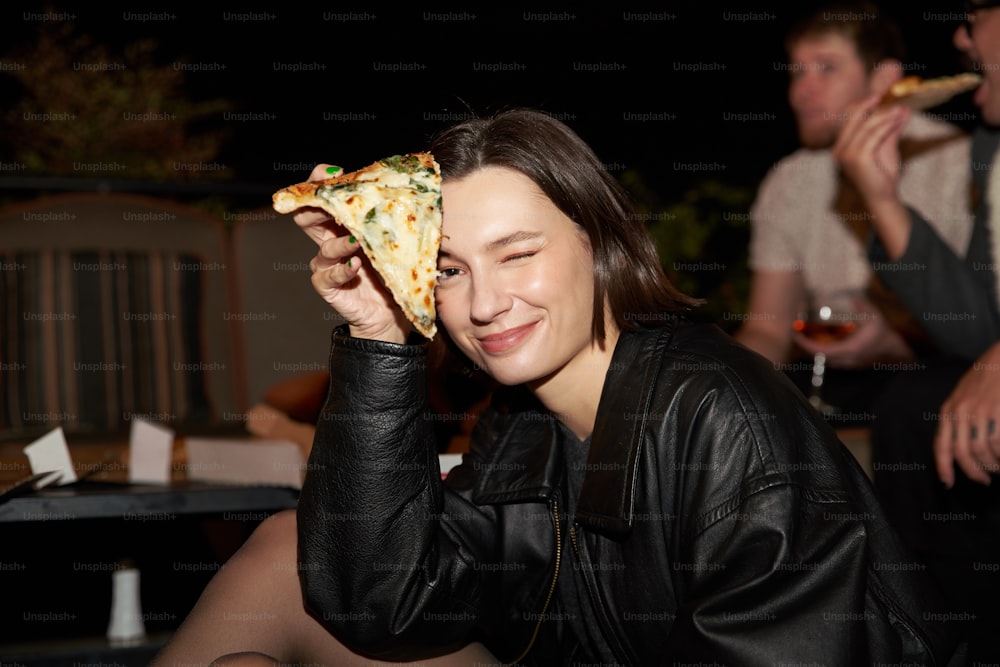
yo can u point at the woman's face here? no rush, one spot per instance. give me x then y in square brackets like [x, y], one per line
[516, 284]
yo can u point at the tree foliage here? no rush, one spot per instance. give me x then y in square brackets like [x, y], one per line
[702, 239]
[85, 110]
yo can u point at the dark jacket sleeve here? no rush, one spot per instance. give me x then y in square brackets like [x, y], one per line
[953, 298]
[777, 565]
[772, 563]
[777, 581]
[379, 566]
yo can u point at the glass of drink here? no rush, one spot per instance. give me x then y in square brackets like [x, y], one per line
[826, 318]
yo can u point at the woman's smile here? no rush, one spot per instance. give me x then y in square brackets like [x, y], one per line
[499, 343]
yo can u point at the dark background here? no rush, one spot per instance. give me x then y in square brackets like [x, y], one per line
[663, 91]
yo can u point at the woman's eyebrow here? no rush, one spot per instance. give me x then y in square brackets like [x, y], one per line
[511, 239]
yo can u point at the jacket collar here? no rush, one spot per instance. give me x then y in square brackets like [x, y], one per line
[526, 463]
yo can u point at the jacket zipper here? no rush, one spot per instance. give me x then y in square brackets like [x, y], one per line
[552, 587]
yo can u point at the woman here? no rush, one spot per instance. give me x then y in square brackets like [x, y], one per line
[643, 490]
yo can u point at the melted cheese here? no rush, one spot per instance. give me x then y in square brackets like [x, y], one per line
[397, 219]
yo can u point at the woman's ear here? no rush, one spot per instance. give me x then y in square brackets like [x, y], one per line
[883, 75]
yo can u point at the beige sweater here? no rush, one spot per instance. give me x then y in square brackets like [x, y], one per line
[795, 226]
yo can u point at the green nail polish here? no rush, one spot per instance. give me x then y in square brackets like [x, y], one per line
[352, 240]
[333, 170]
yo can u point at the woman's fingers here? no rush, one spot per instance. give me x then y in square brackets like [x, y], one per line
[335, 265]
[316, 222]
[344, 278]
[323, 171]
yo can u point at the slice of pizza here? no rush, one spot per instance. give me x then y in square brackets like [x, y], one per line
[393, 208]
[920, 94]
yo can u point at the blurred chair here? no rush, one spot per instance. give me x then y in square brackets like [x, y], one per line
[114, 307]
[286, 327]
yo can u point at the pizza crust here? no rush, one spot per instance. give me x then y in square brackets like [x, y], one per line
[920, 94]
[290, 198]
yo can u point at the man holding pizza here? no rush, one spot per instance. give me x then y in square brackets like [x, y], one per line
[937, 434]
[810, 226]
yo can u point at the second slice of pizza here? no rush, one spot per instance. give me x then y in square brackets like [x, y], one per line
[393, 208]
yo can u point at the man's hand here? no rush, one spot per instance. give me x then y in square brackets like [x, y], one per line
[969, 423]
[867, 147]
[867, 151]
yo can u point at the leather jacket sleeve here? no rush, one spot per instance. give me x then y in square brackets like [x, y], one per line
[773, 580]
[376, 567]
[774, 561]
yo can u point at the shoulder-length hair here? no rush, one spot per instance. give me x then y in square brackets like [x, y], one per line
[628, 276]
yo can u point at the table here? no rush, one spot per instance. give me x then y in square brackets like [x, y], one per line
[131, 502]
[104, 490]
[61, 544]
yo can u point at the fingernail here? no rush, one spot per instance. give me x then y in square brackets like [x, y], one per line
[333, 169]
[352, 240]
[348, 262]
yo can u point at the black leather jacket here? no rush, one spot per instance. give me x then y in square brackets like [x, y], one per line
[720, 520]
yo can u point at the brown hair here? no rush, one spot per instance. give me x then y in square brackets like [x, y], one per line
[628, 276]
[875, 35]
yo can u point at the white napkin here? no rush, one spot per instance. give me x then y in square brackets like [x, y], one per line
[51, 454]
[150, 448]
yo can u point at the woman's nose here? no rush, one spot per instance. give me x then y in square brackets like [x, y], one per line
[489, 299]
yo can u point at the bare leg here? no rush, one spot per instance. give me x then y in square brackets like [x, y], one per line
[252, 609]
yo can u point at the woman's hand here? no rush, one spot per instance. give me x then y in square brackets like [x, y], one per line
[346, 279]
